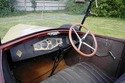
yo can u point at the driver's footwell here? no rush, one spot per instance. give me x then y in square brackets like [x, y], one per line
[36, 71]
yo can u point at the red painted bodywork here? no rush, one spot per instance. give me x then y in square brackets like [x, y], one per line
[23, 39]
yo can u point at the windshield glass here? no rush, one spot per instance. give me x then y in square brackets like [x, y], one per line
[31, 17]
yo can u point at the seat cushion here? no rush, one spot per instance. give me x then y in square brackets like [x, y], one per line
[80, 73]
[121, 79]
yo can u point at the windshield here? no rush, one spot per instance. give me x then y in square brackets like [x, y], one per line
[29, 18]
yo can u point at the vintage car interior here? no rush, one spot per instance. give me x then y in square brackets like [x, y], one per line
[67, 54]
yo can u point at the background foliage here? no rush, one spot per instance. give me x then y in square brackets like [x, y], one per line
[33, 4]
[110, 8]
[75, 8]
[6, 7]
[106, 8]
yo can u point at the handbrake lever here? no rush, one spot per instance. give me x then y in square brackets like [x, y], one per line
[111, 54]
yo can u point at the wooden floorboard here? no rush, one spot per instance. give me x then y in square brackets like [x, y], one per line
[36, 71]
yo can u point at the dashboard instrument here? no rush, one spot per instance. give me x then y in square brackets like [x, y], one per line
[47, 44]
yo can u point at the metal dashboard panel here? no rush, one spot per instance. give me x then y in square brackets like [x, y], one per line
[27, 50]
[23, 51]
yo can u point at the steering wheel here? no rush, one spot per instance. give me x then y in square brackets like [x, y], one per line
[82, 40]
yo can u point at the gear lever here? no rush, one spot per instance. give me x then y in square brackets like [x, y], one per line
[57, 60]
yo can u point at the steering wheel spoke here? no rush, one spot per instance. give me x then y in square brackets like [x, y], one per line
[85, 35]
[77, 34]
[88, 45]
[80, 44]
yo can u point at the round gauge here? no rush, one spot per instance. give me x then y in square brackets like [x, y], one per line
[59, 41]
[50, 46]
[44, 44]
[53, 41]
[38, 46]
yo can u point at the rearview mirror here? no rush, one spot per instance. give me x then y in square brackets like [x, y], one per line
[79, 1]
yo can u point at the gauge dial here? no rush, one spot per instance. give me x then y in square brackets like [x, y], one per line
[53, 41]
[44, 44]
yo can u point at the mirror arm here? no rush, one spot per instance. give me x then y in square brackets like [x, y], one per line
[86, 13]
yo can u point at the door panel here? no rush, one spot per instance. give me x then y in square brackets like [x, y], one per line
[108, 55]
